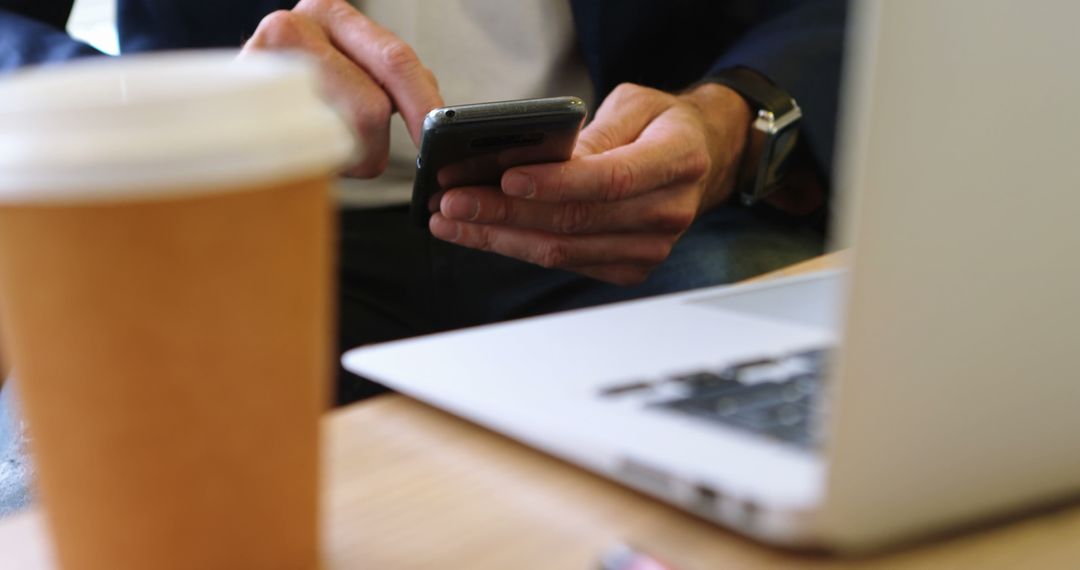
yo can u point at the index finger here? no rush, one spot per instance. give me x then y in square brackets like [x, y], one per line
[386, 57]
[644, 165]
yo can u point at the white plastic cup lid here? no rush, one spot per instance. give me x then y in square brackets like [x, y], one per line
[144, 126]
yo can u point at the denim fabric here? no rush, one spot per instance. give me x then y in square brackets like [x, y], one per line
[15, 470]
[723, 246]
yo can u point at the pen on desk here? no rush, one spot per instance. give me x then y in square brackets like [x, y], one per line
[623, 557]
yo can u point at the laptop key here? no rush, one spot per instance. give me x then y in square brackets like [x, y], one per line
[743, 397]
[621, 389]
[780, 403]
[709, 382]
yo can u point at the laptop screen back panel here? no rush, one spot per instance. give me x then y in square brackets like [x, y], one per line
[958, 392]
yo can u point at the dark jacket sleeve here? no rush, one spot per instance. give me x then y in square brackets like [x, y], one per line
[32, 32]
[671, 44]
[800, 49]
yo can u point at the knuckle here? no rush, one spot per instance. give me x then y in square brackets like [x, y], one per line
[560, 186]
[482, 239]
[631, 276]
[626, 93]
[697, 163]
[280, 28]
[321, 6]
[621, 181]
[651, 253]
[673, 220]
[660, 252]
[623, 275]
[505, 212]
[573, 217]
[552, 253]
[370, 167]
[398, 56]
[599, 139]
[373, 115]
[590, 144]
[683, 220]
[626, 90]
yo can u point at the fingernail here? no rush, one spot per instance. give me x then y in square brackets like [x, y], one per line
[462, 207]
[518, 184]
[443, 228]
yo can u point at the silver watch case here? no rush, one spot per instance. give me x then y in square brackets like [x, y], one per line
[771, 141]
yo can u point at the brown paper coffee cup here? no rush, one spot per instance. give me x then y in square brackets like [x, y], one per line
[165, 270]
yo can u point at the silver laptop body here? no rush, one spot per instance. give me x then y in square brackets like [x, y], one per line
[951, 392]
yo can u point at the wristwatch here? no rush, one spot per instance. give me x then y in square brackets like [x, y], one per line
[773, 133]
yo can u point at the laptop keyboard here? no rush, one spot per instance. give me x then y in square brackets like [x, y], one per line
[774, 397]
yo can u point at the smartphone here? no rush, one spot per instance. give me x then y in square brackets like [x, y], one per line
[471, 145]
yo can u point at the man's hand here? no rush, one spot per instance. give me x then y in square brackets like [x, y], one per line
[367, 71]
[643, 170]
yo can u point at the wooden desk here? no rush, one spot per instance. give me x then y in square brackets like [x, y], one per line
[408, 486]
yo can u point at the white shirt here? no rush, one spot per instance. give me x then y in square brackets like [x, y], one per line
[479, 50]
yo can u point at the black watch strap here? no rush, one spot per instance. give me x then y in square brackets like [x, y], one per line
[755, 88]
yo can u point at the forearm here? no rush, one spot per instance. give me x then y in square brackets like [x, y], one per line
[25, 40]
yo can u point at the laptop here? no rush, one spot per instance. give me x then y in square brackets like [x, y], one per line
[932, 383]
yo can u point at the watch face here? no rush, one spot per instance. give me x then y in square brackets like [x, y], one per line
[778, 149]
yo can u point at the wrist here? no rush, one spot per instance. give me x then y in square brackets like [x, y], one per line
[726, 118]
